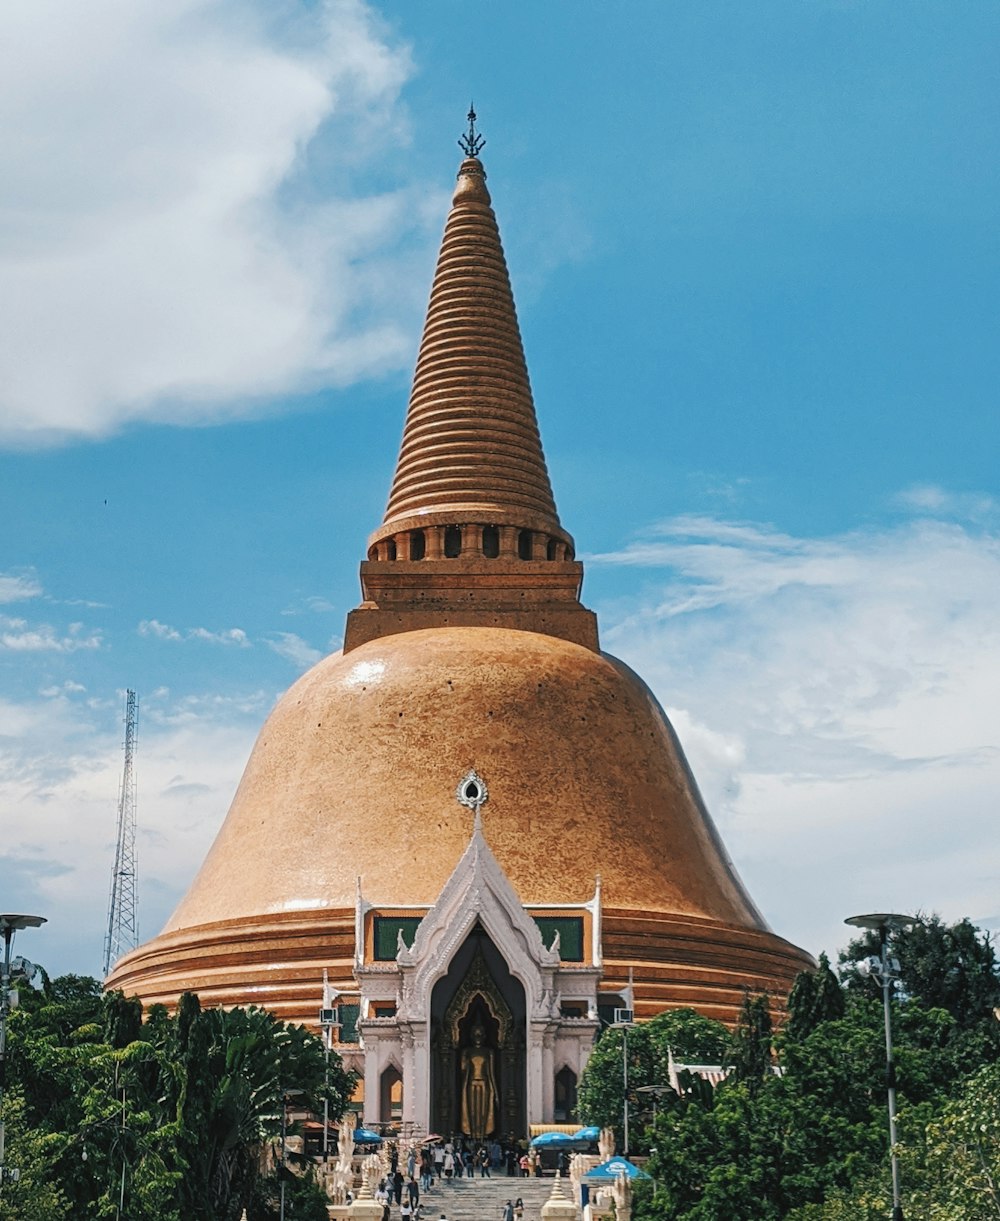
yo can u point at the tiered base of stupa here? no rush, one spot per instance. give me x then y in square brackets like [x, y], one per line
[278, 962]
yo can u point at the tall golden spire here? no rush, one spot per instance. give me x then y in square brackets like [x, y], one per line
[471, 448]
[471, 536]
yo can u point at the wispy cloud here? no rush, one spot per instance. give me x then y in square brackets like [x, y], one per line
[163, 631]
[18, 636]
[718, 563]
[293, 648]
[840, 700]
[151, 267]
[59, 772]
[314, 604]
[60, 690]
[163, 708]
[18, 587]
[935, 501]
[233, 635]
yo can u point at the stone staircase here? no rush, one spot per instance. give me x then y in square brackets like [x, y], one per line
[483, 1199]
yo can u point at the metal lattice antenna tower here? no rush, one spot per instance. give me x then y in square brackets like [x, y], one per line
[123, 933]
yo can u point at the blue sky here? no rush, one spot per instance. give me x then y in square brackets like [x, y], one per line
[755, 255]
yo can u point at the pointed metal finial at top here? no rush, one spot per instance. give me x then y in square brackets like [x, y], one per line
[471, 143]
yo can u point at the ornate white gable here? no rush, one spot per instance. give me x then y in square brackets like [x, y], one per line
[478, 891]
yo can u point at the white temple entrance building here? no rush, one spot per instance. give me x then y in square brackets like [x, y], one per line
[479, 1012]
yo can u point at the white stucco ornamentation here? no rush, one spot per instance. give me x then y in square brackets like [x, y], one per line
[478, 892]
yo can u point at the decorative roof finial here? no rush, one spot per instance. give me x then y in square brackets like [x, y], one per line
[471, 144]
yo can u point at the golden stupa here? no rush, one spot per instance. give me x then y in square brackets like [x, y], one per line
[469, 654]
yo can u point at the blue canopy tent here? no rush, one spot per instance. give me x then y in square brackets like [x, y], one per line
[608, 1171]
[591, 1135]
[365, 1136]
[553, 1140]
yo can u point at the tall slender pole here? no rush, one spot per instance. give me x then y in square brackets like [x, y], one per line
[326, 1092]
[284, 1130]
[625, 1081]
[890, 1070]
[8, 935]
[9, 924]
[887, 969]
[121, 1195]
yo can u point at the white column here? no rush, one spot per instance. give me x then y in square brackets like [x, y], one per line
[536, 1098]
[371, 1080]
[548, 1078]
[409, 1075]
[421, 1114]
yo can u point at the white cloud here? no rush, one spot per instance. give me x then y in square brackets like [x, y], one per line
[232, 635]
[163, 631]
[18, 636]
[314, 604]
[59, 773]
[839, 699]
[16, 588]
[67, 688]
[151, 266]
[936, 501]
[165, 709]
[294, 649]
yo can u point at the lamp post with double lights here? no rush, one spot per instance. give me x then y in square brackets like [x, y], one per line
[13, 969]
[886, 970]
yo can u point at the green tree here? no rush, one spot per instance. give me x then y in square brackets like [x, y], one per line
[959, 1178]
[234, 1067]
[816, 997]
[181, 1107]
[750, 1051]
[35, 1196]
[684, 1034]
[946, 966]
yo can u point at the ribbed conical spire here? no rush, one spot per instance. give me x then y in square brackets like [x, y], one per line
[471, 448]
[471, 536]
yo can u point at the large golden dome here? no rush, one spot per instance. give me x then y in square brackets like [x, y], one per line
[355, 771]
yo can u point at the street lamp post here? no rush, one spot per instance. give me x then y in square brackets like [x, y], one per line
[10, 923]
[625, 1082]
[286, 1098]
[886, 971]
[329, 1020]
[284, 1148]
[623, 1020]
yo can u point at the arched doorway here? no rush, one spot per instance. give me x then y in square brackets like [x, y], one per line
[478, 1044]
[565, 1096]
[390, 1105]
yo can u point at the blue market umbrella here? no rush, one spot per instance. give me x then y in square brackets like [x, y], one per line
[365, 1136]
[592, 1134]
[608, 1171]
[550, 1140]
